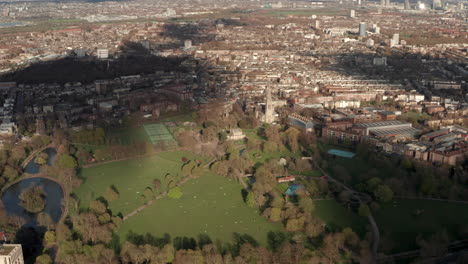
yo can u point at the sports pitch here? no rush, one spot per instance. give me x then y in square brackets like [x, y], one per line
[157, 133]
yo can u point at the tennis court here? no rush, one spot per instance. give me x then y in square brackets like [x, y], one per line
[158, 133]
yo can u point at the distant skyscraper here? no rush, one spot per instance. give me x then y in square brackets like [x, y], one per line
[359, 2]
[436, 4]
[407, 5]
[396, 38]
[387, 3]
[188, 43]
[352, 13]
[317, 23]
[362, 29]
[382, 2]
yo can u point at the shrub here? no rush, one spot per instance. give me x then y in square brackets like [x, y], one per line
[175, 193]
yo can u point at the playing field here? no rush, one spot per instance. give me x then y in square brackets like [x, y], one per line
[130, 177]
[210, 205]
[158, 133]
[337, 217]
[404, 219]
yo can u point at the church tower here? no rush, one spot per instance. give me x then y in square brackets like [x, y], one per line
[269, 107]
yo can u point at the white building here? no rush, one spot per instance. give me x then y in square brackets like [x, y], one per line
[11, 254]
[102, 53]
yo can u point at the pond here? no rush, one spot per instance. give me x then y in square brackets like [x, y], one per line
[33, 168]
[54, 198]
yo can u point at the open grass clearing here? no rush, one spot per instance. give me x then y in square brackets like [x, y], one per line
[130, 177]
[400, 222]
[210, 205]
[337, 217]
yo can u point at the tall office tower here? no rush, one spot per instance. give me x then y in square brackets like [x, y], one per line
[362, 29]
[352, 13]
[11, 254]
[407, 5]
[387, 3]
[436, 4]
[382, 2]
[396, 38]
[359, 2]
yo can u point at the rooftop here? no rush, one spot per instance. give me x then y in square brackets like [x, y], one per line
[5, 250]
[382, 123]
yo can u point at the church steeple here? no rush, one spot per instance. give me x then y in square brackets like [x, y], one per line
[269, 107]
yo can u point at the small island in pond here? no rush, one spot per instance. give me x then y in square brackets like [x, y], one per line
[41, 159]
[33, 199]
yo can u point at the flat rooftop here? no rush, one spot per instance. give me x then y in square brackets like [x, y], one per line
[382, 123]
[385, 132]
[5, 250]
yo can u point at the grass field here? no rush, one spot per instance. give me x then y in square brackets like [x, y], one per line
[399, 222]
[210, 205]
[128, 135]
[338, 217]
[130, 177]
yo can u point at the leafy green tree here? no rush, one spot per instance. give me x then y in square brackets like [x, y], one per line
[148, 193]
[49, 238]
[32, 199]
[306, 204]
[384, 193]
[41, 159]
[156, 184]
[67, 161]
[293, 136]
[111, 194]
[10, 173]
[175, 193]
[250, 200]
[44, 259]
[275, 214]
[98, 207]
[364, 210]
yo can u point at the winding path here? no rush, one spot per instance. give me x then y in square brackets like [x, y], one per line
[34, 154]
[150, 202]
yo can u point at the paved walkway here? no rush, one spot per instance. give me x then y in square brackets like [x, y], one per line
[431, 199]
[150, 202]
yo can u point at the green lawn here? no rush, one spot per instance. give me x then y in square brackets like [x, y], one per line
[398, 221]
[128, 135]
[210, 205]
[130, 177]
[337, 217]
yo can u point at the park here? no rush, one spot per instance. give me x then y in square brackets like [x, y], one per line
[216, 208]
